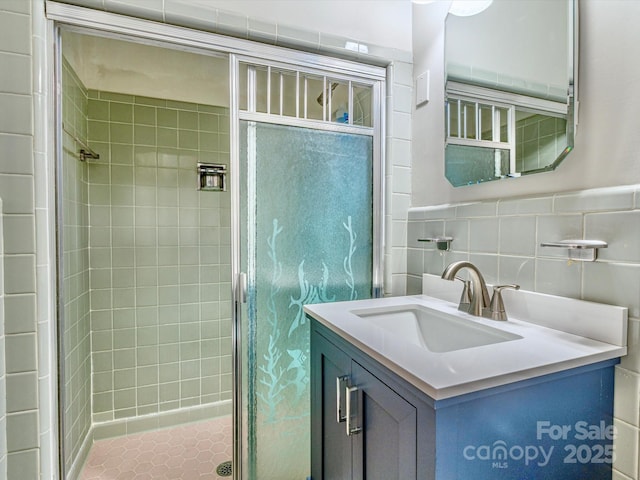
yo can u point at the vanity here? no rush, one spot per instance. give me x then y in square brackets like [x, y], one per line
[411, 387]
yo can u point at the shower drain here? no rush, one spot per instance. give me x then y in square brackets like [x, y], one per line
[224, 469]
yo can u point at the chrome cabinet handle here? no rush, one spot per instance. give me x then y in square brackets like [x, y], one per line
[339, 381]
[351, 430]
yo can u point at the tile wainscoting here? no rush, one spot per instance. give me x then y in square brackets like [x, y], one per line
[503, 239]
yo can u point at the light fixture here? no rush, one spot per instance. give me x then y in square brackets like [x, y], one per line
[466, 8]
[356, 47]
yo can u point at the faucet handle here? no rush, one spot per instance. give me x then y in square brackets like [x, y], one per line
[465, 297]
[497, 310]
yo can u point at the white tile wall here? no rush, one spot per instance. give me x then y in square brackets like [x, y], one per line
[3, 378]
[619, 476]
[517, 235]
[604, 199]
[398, 176]
[627, 405]
[503, 239]
[19, 270]
[44, 198]
[625, 445]
[622, 229]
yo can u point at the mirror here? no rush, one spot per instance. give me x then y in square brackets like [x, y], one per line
[510, 89]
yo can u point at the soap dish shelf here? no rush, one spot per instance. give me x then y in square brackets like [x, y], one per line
[442, 243]
[580, 250]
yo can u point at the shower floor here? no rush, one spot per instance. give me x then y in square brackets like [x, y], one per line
[185, 452]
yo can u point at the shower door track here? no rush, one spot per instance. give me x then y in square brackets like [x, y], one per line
[90, 21]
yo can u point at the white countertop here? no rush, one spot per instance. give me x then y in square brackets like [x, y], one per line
[541, 350]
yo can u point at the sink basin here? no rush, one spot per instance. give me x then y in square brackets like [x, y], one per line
[434, 330]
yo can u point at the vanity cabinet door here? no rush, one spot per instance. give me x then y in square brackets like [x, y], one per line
[385, 448]
[383, 443]
[330, 446]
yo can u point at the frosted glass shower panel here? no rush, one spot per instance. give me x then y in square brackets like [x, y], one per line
[309, 238]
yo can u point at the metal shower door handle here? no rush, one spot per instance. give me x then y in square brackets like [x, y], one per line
[242, 287]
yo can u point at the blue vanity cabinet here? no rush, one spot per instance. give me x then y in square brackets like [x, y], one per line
[331, 448]
[386, 447]
[554, 426]
[396, 428]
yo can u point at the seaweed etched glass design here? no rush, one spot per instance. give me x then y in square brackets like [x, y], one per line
[308, 223]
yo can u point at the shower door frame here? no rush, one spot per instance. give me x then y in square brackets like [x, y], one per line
[150, 32]
[375, 131]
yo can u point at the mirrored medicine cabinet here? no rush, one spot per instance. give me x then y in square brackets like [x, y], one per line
[511, 86]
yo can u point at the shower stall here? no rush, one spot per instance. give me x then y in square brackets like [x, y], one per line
[204, 197]
[146, 309]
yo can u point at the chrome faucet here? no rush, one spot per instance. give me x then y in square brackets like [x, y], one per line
[479, 296]
[476, 302]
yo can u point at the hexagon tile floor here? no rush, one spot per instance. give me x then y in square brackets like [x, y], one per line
[186, 452]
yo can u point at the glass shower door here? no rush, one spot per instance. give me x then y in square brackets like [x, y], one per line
[307, 233]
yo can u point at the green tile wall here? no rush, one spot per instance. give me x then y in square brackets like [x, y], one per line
[159, 256]
[75, 268]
